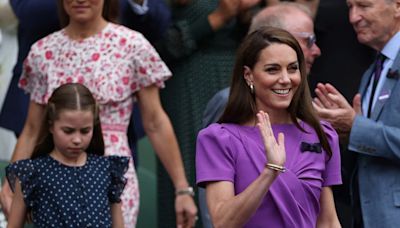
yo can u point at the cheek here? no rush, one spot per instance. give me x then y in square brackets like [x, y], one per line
[296, 79]
[98, 4]
[60, 139]
[88, 137]
[66, 5]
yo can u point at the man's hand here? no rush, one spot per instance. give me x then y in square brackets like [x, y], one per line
[331, 105]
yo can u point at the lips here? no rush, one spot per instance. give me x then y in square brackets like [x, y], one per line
[75, 150]
[281, 91]
[80, 8]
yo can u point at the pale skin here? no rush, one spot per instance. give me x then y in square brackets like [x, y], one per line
[156, 123]
[276, 70]
[230, 210]
[72, 132]
[157, 127]
[332, 106]
[374, 22]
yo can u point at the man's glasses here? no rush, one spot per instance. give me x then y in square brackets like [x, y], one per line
[310, 37]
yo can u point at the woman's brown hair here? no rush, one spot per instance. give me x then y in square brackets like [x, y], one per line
[241, 106]
[70, 96]
[110, 12]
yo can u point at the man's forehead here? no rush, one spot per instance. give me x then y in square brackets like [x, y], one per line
[362, 1]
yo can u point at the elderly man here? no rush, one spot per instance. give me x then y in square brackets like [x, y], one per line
[372, 125]
[293, 17]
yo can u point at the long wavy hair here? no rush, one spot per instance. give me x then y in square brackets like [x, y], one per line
[69, 97]
[241, 106]
[110, 12]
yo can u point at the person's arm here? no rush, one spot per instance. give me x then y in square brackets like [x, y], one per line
[18, 209]
[182, 37]
[230, 210]
[365, 135]
[327, 217]
[161, 135]
[27, 140]
[116, 215]
[24, 148]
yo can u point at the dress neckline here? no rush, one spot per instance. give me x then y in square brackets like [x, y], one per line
[87, 39]
[70, 166]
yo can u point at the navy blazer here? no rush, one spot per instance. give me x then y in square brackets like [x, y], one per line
[376, 140]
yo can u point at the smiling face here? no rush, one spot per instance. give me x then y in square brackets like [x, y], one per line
[275, 77]
[83, 11]
[374, 21]
[72, 133]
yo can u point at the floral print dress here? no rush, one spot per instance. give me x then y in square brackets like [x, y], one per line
[114, 64]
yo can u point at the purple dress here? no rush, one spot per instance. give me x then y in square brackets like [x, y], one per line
[230, 152]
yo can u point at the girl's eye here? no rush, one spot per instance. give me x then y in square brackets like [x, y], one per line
[68, 131]
[85, 130]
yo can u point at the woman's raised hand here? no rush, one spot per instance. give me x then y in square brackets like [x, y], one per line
[275, 151]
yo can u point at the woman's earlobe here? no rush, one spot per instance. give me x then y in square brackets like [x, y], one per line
[247, 74]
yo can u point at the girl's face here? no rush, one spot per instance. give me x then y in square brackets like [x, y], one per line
[83, 11]
[72, 133]
[275, 77]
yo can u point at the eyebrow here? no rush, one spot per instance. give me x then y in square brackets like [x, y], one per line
[277, 64]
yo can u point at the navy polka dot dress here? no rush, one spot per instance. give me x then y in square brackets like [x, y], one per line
[66, 196]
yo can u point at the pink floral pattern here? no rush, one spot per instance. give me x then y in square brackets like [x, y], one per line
[114, 64]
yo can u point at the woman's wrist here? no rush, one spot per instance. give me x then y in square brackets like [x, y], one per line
[275, 167]
[184, 191]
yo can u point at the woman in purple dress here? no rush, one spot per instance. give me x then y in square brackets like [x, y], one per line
[269, 161]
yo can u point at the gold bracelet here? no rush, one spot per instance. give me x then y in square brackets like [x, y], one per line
[185, 191]
[279, 168]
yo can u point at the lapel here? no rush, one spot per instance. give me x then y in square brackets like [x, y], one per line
[391, 78]
[365, 80]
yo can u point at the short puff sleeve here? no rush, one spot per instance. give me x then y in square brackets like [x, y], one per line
[332, 173]
[24, 172]
[149, 67]
[117, 167]
[215, 157]
[32, 80]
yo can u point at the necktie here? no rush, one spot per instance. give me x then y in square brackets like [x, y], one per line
[377, 73]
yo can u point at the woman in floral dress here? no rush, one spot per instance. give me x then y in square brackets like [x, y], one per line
[120, 67]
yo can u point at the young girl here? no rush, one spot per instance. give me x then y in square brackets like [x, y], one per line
[67, 182]
[120, 68]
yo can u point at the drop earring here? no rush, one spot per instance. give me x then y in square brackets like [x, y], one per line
[251, 88]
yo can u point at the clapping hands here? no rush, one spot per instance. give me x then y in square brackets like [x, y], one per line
[332, 106]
